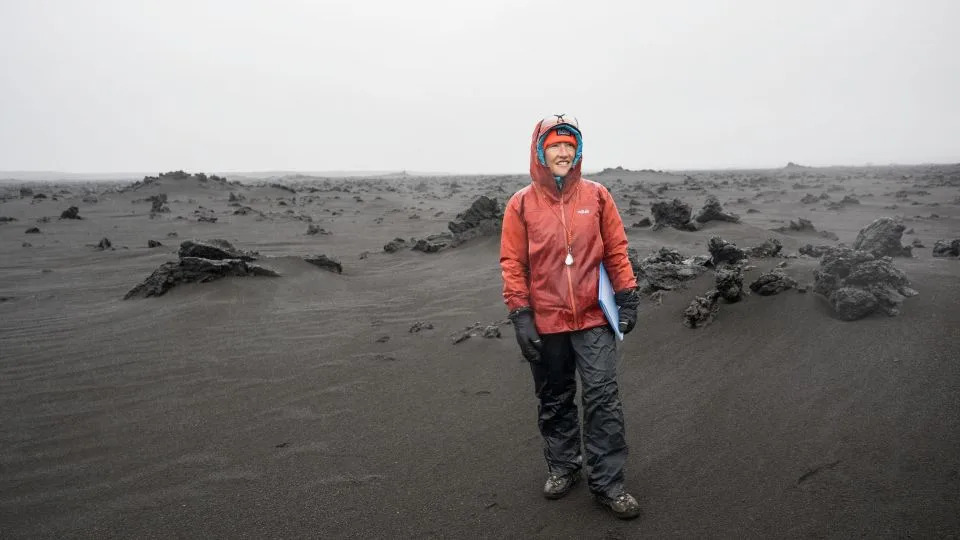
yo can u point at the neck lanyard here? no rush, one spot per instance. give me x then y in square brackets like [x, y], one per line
[568, 235]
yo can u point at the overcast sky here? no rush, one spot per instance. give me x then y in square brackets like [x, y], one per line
[424, 85]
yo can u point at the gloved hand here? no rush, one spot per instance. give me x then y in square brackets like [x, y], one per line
[627, 300]
[527, 335]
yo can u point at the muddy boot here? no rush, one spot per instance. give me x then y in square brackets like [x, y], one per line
[558, 485]
[622, 504]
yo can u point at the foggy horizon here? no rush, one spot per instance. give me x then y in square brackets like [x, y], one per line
[431, 87]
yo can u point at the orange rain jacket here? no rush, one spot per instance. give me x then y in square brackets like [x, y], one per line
[533, 246]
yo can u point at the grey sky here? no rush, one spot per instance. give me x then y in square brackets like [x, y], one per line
[457, 86]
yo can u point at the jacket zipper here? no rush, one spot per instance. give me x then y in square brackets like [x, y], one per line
[573, 301]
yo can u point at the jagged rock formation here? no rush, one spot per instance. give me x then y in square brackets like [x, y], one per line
[395, 245]
[772, 282]
[729, 281]
[843, 268]
[193, 270]
[675, 213]
[158, 204]
[723, 252]
[665, 270]
[947, 248]
[483, 218]
[178, 176]
[882, 238]
[215, 249]
[712, 211]
[71, 213]
[815, 251]
[805, 226]
[701, 310]
[326, 263]
[769, 248]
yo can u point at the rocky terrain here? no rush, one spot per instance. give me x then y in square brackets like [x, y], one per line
[196, 355]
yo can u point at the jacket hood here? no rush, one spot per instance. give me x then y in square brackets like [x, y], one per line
[540, 172]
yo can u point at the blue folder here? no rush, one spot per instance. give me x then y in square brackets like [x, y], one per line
[607, 302]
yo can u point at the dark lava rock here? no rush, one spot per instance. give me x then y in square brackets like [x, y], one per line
[773, 282]
[814, 251]
[214, 249]
[645, 222]
[158, 204]
[809, 199]
[326, 263]
[193, 270]
[851, 303]
[433, 243]
[484, 215]
[32, 230]
[104, 244]
[478, 330]
[847, 268]
[420, 325]
[26, 192]
[712, 211]
[665, 270]
[882, 237]
[729, 281]
[313, 229]
[675, 213]
[153, 244]
[39, 196]
[947, 248]
[71, 213]
[769, 248]
[395, 245]
[723, 252]
[5, 219]
[701, 310]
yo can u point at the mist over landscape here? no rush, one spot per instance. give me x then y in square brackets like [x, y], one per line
[250, 278]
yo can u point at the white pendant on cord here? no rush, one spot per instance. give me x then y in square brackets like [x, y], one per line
[569, 260]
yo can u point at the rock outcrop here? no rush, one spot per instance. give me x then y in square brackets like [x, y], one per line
[842, 269]
[947, 248]
[220, 259]
[723, 252]
[712, 211]
[882, 238]
[773, 282]
[701, 310]
[665, 270]
[729, 281]
[215, 249]
[325, 263]
[769, 248]
[675, 213]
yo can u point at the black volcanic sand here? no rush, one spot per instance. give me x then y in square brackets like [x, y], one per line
[302, 406]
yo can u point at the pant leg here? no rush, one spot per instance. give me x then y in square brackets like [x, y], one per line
[604, 438]
[555, 384]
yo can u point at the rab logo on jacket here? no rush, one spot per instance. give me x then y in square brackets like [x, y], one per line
[583, 211]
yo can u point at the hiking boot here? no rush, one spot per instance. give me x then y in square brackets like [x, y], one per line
[621, 503]
[558, 485]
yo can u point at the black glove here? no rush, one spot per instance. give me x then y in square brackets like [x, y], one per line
[527, 335]
[627, 300]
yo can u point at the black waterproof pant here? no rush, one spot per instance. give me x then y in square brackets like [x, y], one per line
[592, 353]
